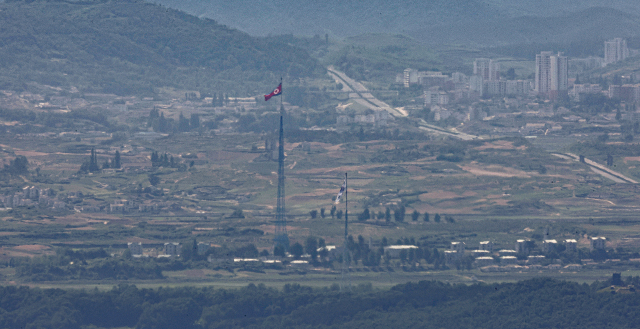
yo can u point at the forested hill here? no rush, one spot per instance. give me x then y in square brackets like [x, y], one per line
[129, 47]
[537, 303]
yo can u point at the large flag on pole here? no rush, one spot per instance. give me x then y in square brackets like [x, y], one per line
[342, 188]
[275, 92]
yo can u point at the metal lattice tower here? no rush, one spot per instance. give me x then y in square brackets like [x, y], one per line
[281, 237]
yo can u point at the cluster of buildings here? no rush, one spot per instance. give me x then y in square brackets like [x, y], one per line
[615, 50]
[551, 79]
[484, 255]
[124, 206]
[440, 89]
[375, 118]
[170, 249]
[32, 196]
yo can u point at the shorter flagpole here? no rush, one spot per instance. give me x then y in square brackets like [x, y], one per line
[346, 259]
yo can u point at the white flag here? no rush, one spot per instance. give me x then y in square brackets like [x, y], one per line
[342, 189]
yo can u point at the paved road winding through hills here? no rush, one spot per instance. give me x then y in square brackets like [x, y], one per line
[362, 96]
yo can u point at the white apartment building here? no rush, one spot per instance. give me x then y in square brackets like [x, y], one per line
[615, 50]
[135, 248]
[552, 75]
[410, 77]
[172, 249]
[487, 68]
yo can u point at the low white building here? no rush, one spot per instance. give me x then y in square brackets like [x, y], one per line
[507, 252]
[451, 256]
[481, 253]
[299, 264]
[135, 248]
[508, 260]
[571, 244]
[458, 246]
[486, 245]
[172, 249]
[203, 247]
[484, 261]
[549, 245]
[598, 243]
[394, 251]
[535, 259]
[521, 246]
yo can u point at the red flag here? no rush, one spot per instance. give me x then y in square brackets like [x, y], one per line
[275, 92]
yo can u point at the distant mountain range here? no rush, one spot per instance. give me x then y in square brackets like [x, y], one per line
[481, 22]
[127, 47]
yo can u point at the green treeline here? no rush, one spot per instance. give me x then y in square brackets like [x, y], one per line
[536, 303]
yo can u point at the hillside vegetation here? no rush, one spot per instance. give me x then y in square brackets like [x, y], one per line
[127, 47]
[538, 303]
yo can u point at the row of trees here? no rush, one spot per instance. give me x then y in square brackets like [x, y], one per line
[92, 165]
[535, 303]
[159, 123]
[17, 166]
[399, 215]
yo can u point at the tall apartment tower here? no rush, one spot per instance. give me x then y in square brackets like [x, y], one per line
[410, 77]
[552, 75]
[486, 68]
[615, 50]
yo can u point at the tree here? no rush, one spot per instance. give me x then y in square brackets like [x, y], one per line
[387, 214]
[339, 214]
[311, 247]
[116, 160]
[425, 217]
[18, 166]
[237, 213]
[618, 114]
[189, 250]
[403, 255]
[436, 218]
[323, 249]
[365, 215]
[322, 214]
[415, 215]
[92, 164]
[313, 213]
[399, 213]
[296, 250]
[333, 211]
[154, 180]
[183, 123]
[278, 250]
[194, 121]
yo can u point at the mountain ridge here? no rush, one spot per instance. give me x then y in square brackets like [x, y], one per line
[480, 22]
[119, 47]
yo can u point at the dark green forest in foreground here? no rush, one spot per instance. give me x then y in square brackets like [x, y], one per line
[131, 47]
[536, 303]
